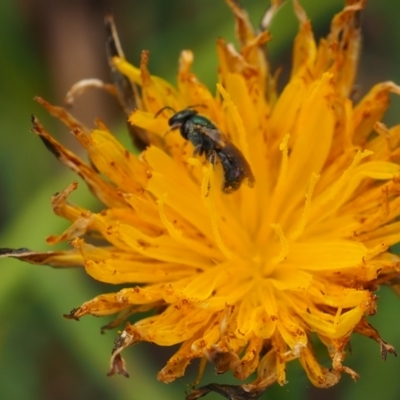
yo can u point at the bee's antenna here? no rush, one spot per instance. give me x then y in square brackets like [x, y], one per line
[162, 109]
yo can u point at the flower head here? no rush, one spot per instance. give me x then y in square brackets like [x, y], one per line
[261, 218]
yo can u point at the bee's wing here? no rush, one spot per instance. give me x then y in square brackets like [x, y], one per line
[236, 168]
[215, 135]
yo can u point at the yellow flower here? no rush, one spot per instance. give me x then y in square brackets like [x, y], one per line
[242, 277]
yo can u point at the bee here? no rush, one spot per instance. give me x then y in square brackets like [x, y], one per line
[207, 139]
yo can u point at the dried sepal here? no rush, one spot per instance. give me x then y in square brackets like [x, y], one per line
[56, 259]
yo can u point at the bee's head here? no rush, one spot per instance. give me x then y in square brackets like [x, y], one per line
[181, 117]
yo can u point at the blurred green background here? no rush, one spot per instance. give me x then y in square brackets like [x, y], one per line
[46, 46]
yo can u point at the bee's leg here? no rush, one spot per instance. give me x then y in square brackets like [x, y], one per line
[212, 158]
[198, 150]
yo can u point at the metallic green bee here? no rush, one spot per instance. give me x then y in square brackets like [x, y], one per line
[207, 139]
